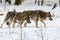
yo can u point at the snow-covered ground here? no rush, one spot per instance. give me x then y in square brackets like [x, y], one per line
[51, 32]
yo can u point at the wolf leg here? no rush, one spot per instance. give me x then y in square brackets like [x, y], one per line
[43, 23]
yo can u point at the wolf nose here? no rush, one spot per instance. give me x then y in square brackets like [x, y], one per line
[28, 21]
[7, 23]
[50, 19]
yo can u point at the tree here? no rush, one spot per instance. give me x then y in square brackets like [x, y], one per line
[37, 1]
[0, 1]
[9, 1]
[17, 2]
[42, 2]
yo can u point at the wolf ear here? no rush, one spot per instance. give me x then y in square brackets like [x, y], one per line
[49, 12]
[51, 15]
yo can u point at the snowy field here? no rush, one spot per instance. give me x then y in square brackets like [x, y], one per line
[51, 32]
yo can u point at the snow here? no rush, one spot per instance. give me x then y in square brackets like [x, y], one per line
[51, 32]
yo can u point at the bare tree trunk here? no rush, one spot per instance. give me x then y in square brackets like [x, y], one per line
[42, 2]
[9, 1]
[0, 1]
[38, 2]
[59, 2]
[35, 1]
[17, 2]
[4, 5]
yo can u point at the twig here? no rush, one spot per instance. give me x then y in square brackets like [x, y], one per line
[21, 33]
[42, 34]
